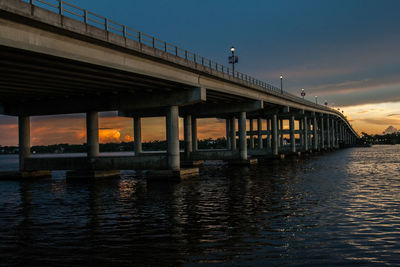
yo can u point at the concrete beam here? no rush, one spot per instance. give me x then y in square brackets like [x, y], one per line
[107, 102]
[215, 110]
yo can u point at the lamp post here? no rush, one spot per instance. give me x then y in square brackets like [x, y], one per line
[303, 93]
[233, 60]
[316, 100]
[281, 84]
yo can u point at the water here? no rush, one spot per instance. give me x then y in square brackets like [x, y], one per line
[339, 208]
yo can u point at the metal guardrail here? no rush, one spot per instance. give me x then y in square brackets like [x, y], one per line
[69, 10]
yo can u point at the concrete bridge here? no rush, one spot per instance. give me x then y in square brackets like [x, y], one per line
[57, 58]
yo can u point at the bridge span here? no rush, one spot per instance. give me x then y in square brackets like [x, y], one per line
[57, 58]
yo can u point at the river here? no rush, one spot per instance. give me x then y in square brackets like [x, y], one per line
[336, 208]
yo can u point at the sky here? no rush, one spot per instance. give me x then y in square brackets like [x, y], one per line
[344, 51]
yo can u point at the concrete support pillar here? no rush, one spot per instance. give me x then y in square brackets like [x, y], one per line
[281, 133]
[24, 140]
[194, 134]
[305, 130]
[233, 133]
[172, 125]
[251, 134]
[137, 133]
[315, 133]
[269, 134]
[328, 133]
[333, 139]
[187, 133]
[259, 134]
[242, 136]
[275, 135]
[92, 134]
[292, 136]
[322, 133]
[228, 134]
[301, 130]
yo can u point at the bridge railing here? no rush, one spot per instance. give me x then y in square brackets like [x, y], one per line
[72, 11]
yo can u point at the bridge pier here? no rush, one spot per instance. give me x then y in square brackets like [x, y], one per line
[187, 129]
[92, 134]
[172, 127]
[194, 134]
[137, 134]
[292, 135]
[274, 126]
[233, 133]
[228, 134]
[269, 133]
[305, 133]
[322, 133]
[315, 132]
[251, 134]
[24, 138]
[242, 136]
[260, 144]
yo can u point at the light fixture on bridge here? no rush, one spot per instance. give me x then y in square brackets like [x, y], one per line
[232, 60]
[303, 93]
[326, 102]
[281, 84]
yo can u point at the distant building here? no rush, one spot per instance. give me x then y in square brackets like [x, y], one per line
[390, 130]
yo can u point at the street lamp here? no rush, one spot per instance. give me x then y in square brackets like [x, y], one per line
[316, 99]
[326, 102]
[303, 93]
[281, 84]
[232, 60]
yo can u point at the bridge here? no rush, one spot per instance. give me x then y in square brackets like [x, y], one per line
[57, 58]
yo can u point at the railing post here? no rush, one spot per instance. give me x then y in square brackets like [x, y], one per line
[106, 24]
[124, 31]
[140, 37]
[85, 15]
[154, 42]
[176, 50]
[31, 2]
[60, 7]
[165, 47]
[186, 54]
[194, 58]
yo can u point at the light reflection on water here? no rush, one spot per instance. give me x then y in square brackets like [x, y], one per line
[336, 208]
